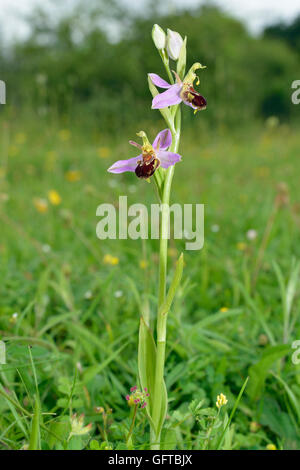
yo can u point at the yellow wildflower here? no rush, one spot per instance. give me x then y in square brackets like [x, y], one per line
[103, 152]
[143, 264]
[221, 400]
[54, 197]
[271, 447]
[241, 246]
[40, 204]
[112, 260]
[224, 309]
[64, 135]
[72, 176]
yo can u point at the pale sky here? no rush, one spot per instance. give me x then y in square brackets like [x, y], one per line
[255, 13]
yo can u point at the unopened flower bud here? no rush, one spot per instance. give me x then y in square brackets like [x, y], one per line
[174, 44]
[254, 426]
[159, 37]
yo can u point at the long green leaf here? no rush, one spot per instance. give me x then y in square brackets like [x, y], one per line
[146, 361]
[292, 397]
[173, 287]
[258, 372]
[34, 441]
[146, 366]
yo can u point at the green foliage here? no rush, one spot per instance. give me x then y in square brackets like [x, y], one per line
[290, 33]
[146, 365]
[81, 316]
[258, 372]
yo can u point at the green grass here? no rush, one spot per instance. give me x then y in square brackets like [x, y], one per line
[81, 316]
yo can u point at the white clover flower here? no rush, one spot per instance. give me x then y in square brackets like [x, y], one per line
[118, 294]
[251, 234]
[88, 295]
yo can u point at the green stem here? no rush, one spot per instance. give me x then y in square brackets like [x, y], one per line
[164, 56]
[206, 443]
[26, 413]
[161, 317]
[128, 439]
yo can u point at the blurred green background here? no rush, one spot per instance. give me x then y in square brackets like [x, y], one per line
[68, 66]
[74, 99]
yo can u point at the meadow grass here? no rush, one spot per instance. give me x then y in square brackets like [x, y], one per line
[76, 300]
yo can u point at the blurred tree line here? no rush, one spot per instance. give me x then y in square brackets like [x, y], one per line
[72, 67]
[289, 33]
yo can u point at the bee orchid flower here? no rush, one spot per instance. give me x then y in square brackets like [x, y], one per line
[180, 91]
[152, 156]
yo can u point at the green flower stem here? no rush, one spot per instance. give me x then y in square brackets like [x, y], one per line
[164, 56]
[161, 317]
[129, 439]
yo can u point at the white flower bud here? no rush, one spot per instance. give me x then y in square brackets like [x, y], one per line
[159, 37]
[174, 44]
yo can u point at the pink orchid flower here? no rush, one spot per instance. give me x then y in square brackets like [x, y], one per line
[180, 91]
[152, 156]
